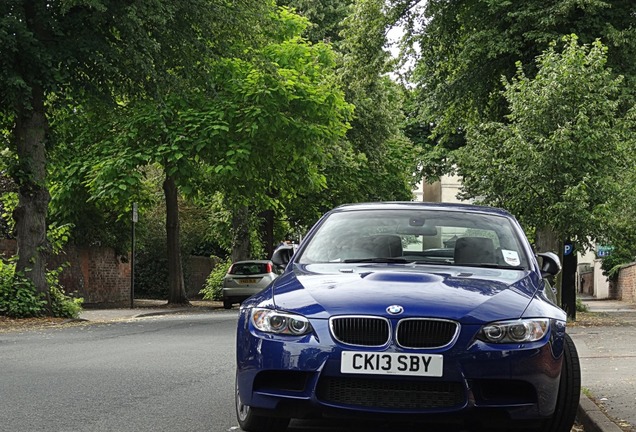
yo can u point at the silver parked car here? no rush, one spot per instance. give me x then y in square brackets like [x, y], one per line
[245, 278]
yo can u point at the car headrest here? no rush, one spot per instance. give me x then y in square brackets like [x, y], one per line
[474, 250]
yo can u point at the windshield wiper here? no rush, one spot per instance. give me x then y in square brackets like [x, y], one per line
[386, 260]
[492, 265]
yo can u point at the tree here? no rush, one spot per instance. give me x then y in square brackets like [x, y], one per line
[326, 17]
[285, 113]
[100, 48]
[464, 47]
[563, 152]
[278, 106]
[377, 129]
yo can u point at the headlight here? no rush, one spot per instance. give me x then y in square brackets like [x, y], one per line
[272, 321]
[515, 331]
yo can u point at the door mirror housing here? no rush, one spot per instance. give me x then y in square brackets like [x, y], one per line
[550, 264]
[282, 255]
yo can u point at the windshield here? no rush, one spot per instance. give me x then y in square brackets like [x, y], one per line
[249, 268]
[421, 236]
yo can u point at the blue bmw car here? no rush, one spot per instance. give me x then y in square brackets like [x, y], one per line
[436, 313]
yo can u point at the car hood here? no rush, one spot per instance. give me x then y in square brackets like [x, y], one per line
[465, 294]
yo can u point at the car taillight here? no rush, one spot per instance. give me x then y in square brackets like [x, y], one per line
[269, 268]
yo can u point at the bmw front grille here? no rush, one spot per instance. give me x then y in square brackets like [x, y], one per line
[410, 333]
[361, 330]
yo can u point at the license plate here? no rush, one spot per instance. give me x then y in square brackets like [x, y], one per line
[247, 281]
[383, 363]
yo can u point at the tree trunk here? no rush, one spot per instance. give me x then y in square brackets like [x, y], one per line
[30, 134]
[176, 294]
[240, 234]
[267, 231]
[548, 241]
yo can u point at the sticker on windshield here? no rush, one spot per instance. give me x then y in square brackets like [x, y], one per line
[511, 257]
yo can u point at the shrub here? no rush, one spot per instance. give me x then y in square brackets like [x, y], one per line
[20, 299]
[151, 275]
[214, 282]
[18, 296]
[62, 304]
[580, 306]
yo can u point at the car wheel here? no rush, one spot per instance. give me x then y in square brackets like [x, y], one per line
[227, 304]
[251, 422]
[569, 391]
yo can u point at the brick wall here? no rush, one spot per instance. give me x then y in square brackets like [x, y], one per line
[198, 269]
[102, 277]
[626, 283]
[96, 274]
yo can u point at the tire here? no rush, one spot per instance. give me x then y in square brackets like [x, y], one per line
[227, 304]
[251, 422]
[569, 391]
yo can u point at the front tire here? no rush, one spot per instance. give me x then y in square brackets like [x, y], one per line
[227, 304]
[569, 391]
[251, 422]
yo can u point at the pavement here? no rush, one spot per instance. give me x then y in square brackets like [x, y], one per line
[605, 339]
[144, 308]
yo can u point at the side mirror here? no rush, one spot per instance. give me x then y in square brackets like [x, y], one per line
[282, 256]
[550, 264]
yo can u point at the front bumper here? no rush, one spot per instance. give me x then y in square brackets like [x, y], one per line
[300, 377]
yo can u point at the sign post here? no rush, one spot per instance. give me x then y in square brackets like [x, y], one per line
[568, 281]
[135, 218]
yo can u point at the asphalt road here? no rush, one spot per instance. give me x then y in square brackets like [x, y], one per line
[169, 373]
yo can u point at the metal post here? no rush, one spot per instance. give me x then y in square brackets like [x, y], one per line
[135, 218]
[568, 281]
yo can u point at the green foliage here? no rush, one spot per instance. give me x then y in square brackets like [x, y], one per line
[560, 157]
[106, 51]
[115, 48]
[8, 201]
[277, 105]
[151, 274]
[214, 282]
[284, 110]
[466, 46]
[95, 221]
[326, 17]
[20, 299]
[580, 306]
[375, 161]
[62, 304]
[8, 189]
[58, 236]
[619, 215]
[18, 296]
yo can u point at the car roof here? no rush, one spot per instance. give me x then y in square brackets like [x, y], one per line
[418, 205]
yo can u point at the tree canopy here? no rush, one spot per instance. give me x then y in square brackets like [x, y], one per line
[564, 150]
[464, 47]
[105, 49]
[255, 128]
